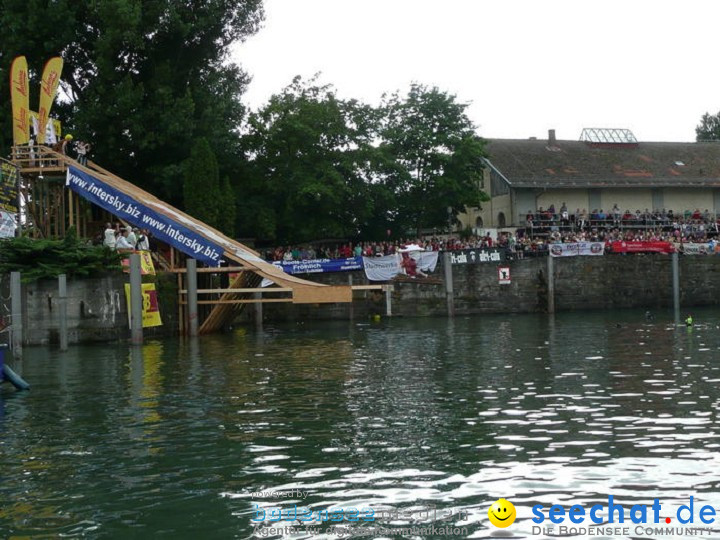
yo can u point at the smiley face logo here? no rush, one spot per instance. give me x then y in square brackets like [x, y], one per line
[502, 513]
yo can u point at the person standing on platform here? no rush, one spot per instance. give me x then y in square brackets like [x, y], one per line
[122, 242]
[109, 239]
[132, 236]
[82, 148]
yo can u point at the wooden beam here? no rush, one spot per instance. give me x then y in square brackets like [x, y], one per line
[218, 270]
[241, 290]
[249, 301]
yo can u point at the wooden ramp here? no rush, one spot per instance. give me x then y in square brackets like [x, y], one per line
[40, 161]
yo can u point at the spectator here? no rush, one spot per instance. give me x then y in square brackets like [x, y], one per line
[143, 242]
[131, 237]
[109, 238]
[122, 243]
[82, 148]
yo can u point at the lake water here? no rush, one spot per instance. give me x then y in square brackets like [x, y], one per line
[425, 421]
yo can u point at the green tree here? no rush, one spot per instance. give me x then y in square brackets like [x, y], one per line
[142, 79]
[433, 157]
[227, 208]
[201, 189]
[709, 128]
[310, 168]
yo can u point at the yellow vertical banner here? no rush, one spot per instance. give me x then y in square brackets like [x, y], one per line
[146, 264]
[20, 98]
[151, 309]
[48, 90]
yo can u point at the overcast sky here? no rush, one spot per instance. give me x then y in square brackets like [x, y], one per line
[525, 65]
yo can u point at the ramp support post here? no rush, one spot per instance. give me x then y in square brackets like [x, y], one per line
[16, 313]
[136, 300]
[447, 267]
[62, 305]
[192, 297]
[551, 283]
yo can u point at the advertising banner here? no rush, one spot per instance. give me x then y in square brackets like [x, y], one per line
[477, 256]
[641, 247]
[577, 248]
[381, 268]
[8, 222]
[20, 98]
[8, 188]
[147, 268]
[705, 248]
[48, 90]
[387, 267]
[151, 310]
[426, 260]
[160, 226]
[320, 265]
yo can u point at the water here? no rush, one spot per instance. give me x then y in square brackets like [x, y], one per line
[429, 418]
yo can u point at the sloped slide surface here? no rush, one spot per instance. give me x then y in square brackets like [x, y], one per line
[185, 233]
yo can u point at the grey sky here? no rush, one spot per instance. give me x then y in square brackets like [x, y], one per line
[526, 65]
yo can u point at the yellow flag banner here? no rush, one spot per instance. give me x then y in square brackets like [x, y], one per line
[48, 90]
[20, 98]
[151, 310]
[146, 264]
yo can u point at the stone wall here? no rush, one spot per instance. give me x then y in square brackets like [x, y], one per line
[609, 282]
[96, 310]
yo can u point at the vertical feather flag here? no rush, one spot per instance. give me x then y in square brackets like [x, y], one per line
[48, 90]
[20, 98]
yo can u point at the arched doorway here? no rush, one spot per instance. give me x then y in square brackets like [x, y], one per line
[501, 220]
[479, 222]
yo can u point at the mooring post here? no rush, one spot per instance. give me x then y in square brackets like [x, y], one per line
[350, 284]
[258, 310]
[136, 300]
[447, 264]
[676, 284]
[62, 311]
[551, 283]
[16, 300]
[388, 299]
[192, 300]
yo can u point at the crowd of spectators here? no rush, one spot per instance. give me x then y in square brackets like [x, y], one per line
[581, 220]
[373, 249]
[542, 229]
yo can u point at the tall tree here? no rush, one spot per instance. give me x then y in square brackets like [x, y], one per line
[434, 157]
[310, 166]
[201, 189]
[141, 79]
[709, 128]
[227, 209]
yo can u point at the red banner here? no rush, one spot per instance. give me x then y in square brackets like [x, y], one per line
[640, 247]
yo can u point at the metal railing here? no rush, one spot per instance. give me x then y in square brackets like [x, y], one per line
[542, 224]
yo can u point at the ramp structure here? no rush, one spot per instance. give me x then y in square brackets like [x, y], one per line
[38, 165]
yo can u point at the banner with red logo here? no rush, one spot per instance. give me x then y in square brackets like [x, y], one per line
[48, 90]
[641, 247]
[20, 98]
[577, 248]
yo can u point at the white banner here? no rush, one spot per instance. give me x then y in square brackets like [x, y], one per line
[7, 224]
[696, 249]
[578, 248]
[426, 260]
[387, 267]
[381, 268]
